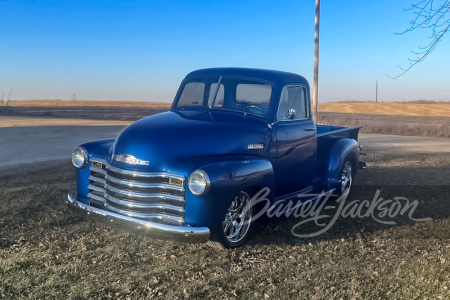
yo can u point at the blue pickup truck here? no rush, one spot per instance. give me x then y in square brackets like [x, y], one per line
[189, 174]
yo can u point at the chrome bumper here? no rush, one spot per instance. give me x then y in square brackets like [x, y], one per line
[153, 230]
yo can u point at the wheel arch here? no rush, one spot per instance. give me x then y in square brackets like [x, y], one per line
[342, 150]
[228, 179]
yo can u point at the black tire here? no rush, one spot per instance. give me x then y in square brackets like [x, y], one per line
[346, 174]
[223, 237]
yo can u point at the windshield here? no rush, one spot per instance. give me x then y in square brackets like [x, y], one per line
[232, 93]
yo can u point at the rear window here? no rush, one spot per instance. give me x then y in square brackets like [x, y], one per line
[253, 93]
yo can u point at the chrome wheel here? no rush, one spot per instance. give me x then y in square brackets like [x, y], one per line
[238, 218]
[346, 179]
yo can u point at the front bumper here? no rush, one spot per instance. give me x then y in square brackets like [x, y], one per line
[151, 229]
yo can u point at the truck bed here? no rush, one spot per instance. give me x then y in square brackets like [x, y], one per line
[327, 136]
[337, 131]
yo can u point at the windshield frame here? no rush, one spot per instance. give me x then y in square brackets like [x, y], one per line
[211, 107]
[183, 85]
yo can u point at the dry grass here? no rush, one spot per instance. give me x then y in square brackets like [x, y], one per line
[86, 103]
[416, 108]
[422, 118]
[385, 124]
[411, 108]
[47, 253]
[11, 121]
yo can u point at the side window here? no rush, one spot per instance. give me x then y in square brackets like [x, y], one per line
[192, 94]
[220, 95]
[293, 104]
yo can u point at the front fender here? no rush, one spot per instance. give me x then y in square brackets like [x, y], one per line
[99, 149]
[228, 178]
[341, 151]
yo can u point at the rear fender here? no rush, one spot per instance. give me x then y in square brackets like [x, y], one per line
[341, 151]
[228, 179]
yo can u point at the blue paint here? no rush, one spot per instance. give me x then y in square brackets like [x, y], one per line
[296, 154]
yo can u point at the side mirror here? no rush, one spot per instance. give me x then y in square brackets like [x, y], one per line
[291, 114]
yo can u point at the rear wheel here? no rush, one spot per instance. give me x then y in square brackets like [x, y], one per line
[235, 226]
[346, 179]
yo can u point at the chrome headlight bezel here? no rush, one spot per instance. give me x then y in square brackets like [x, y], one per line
[82, 154]
[199, 183]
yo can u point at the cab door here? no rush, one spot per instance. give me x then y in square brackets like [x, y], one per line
[296, 142]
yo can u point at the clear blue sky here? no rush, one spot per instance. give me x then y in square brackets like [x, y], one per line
[141, 50]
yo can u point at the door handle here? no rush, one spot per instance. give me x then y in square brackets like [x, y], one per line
[309, 129]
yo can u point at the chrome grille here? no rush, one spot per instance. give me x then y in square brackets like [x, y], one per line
[152, 196]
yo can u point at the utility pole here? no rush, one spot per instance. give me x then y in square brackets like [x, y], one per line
[376, 94]
[316, 62]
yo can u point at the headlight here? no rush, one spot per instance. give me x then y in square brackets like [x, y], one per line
[198, 182]
[79, 157]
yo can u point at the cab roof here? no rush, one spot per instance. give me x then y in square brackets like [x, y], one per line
[277, 78]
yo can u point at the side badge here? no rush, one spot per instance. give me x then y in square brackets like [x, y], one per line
[256, 146]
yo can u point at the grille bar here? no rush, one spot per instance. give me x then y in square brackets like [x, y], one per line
[95, 197]
[144, 195]
[153, 196]
[144, 174]
[160, 216]
[97, 170]
[96, 188]
[96, 179]
[144, 185]
[145, 205]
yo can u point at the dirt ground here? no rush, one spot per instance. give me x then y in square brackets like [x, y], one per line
[48, 253]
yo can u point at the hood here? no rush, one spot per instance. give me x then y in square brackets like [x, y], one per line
[167, 138]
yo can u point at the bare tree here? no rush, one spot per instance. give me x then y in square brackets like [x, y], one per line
[8, 98]
[4, 104]
[430, 15]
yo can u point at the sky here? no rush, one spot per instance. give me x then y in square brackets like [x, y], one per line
[141, 50]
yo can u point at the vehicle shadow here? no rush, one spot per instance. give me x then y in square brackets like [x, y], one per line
[394, 186]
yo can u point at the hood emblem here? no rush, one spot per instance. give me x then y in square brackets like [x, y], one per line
[256, 146]
[129, 159]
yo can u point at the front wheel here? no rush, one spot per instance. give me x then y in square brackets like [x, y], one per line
[235, 226]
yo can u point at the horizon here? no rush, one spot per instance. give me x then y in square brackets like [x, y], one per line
[419, 101]
[141, 51]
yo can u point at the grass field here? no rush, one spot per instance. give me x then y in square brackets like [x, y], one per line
[416, 118]
[388, 108]
[48, 253]
[387, 124]
[86, 103]
[414, 108]
[422, 118]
